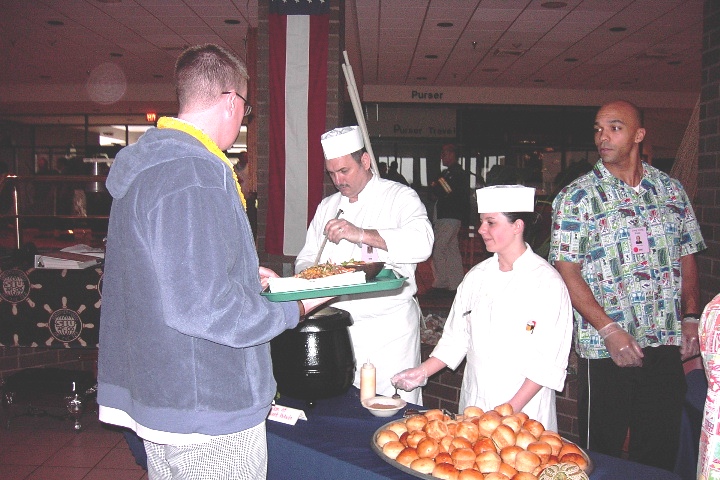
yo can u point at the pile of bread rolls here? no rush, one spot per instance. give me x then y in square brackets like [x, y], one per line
[494, 445]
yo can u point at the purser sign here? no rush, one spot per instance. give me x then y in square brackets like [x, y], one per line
[411, 122]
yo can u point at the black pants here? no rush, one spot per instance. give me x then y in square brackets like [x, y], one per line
[647, 400]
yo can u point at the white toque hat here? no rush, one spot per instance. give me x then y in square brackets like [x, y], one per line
[342, 141]
[506, 199]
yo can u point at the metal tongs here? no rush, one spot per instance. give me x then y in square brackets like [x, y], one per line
[412, 411]
[322, 247]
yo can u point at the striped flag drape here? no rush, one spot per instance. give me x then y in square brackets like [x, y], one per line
[298, 90]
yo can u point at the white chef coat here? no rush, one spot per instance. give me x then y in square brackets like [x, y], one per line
[386, 325]
[511, 326]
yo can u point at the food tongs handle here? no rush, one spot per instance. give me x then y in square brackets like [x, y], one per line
[322, 247]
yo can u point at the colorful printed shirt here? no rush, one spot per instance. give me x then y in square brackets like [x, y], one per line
[629, 244]
[709, 459]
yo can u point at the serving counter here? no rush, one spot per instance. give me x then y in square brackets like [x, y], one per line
[334, 443]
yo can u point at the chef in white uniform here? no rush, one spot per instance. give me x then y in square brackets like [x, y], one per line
[381, 220]
[511, 318]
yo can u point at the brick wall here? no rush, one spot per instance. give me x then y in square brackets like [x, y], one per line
[708, 194]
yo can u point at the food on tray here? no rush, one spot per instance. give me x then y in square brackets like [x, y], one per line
[323, 270]
[494, 444]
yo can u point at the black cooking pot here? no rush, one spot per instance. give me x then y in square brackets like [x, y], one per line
[315, 359]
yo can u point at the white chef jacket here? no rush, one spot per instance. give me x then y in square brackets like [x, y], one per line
[511, 326]
[386, 325]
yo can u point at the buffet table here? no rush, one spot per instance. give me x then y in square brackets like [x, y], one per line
[50, 308]
[334, 443]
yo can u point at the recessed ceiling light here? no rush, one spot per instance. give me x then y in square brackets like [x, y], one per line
[431, 56]
[617, 29]
[157, 75]
[116, 54]
[45, 77]
[571, 59]
[445, 24]
[232, 21]
[489, 70]
[626, 82]
[674, 62]
[539, 80]
[420, 78]
[109, 1]
[55, 23]
[553, 4]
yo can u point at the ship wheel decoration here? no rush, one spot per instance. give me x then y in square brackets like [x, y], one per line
[15, 288]
[65, 325]
[97, 286]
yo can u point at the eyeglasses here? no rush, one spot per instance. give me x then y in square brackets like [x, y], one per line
[248, 107]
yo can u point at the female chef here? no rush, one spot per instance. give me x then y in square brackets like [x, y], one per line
[511, 318]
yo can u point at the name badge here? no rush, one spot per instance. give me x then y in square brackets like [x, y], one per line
[369, 254]
[639, 240]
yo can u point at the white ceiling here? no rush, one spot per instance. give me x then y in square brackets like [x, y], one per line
[492, 43]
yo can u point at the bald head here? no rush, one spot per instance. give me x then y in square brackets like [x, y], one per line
[630, 111]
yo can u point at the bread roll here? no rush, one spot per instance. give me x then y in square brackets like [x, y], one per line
[445, 471]
[488, 422]
[504, 409]
[503, 436]
[452, 427]
[434, 414]
[554, 442]
[461, 442]
[509, 453]
[407, 456]
[414, 438]
[463, 458]
[488, 462]
[443, 457]
[386, 436]
[427, 448]
[513, 421]
[568, 447]
[541, 449]
[416, 422]
[507, 470]
[576, 458]
[495, 476]
[403, 438]
[524, 438]
[484, 444]
[472, 411]
[534, 427]
[423, 465]
[397, 427]
[467, 430]
[470, 474]
[526, 461]
[392, 449]
[522, 415]
[436, 429]
[446, 444]
[523, 476]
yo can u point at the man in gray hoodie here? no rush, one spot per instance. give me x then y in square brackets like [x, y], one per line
[184, 357]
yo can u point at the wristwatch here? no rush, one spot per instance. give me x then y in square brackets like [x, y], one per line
[691, 318]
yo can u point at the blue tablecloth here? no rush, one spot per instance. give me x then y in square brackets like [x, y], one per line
[334, 443]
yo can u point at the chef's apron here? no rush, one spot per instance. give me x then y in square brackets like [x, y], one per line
[386, 325]
[499, 335]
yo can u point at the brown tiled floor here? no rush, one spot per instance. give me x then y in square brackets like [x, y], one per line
[46, 448]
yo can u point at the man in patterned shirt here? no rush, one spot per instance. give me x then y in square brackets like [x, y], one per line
[624, 238]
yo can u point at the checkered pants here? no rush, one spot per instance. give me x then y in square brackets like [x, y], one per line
[238, 456]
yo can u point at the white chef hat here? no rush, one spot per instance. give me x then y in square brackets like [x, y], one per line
[342, 141]
[506, 198]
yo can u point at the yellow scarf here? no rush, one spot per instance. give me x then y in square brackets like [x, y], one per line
[177, 124]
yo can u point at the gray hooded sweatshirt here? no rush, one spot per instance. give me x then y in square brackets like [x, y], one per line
[184, 330]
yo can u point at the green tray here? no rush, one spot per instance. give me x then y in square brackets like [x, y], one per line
[387, 279]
